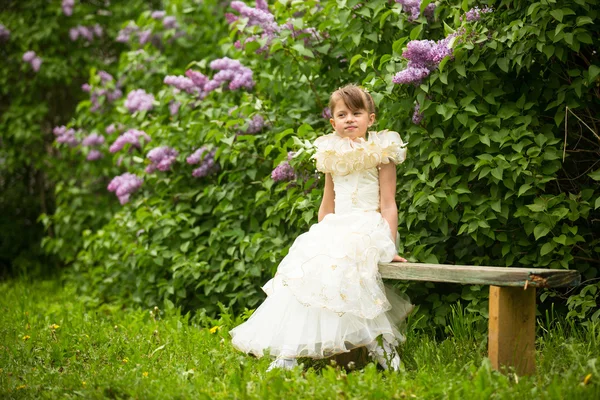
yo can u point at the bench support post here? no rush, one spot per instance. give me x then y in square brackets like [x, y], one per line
[511, 341]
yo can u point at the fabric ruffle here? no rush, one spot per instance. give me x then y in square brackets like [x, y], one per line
[285, 327]
[342, 156]
[335, 265]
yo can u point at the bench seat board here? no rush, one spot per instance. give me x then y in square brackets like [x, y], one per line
[465, 274]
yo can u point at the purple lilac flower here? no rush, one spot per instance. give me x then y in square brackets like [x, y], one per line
[230, 71]
[133, 137]
[256, 124]
[67, 7]
[413, 7]
[257, 16]
[29, 56]
[423, 57]
[283, 172]
[139, 100]
[94, 155]
[145, 36]
[111, 129]
[4, 33]
[206, 159]
[125, 34]
[86, 87]
[262, 5]
[291, 155]
[410, 75]
[66, 136]
[181, 83]
[170, 22]
[93, 140]
[417, 116]
[174, 107]
[36, 63]
[105, 76]
[198, 78]
[124, 185]
[86, 32]
[326, 113]
[474, 14]
[158, 14]
[161, 158]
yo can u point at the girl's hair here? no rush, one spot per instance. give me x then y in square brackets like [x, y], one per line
[354, 97]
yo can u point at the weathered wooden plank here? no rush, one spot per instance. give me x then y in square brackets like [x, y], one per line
[511, 341]
[465, 274]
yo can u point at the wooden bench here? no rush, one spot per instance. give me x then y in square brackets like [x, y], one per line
[511, 335]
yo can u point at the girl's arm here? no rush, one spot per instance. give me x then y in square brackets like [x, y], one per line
[387, 195]
[327, 203]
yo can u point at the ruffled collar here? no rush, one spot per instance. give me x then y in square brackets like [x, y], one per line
[343, 156]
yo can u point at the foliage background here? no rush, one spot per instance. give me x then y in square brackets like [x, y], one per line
[502, 170]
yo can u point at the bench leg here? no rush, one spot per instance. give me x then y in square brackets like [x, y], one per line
[511, 341]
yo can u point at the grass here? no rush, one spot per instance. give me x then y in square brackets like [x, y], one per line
[53, 346]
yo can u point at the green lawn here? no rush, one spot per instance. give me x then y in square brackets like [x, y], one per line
[53, 346]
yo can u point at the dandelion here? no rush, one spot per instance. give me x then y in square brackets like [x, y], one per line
[54, 326]
[214, 329]
[125, 360]
[145, 374]
[587, 379]
[21, 387]
[26, 337]
[83, 383]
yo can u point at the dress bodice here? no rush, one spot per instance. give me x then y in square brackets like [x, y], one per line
[353, 167]
[357, 191]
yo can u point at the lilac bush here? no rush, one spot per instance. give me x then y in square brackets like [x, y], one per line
[66, 136]
[170, 22]
[174, 107]
[326, 114]
[124, 185]
[139, 100]
[161, 158]
[181, 83]
[132, 136]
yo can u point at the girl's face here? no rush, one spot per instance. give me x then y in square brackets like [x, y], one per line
[350, 124]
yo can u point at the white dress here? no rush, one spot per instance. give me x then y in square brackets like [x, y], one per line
[327, 296]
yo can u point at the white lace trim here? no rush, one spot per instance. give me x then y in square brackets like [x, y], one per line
[342, 156]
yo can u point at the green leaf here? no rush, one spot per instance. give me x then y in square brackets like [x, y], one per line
[595, 175]
[416, 31]
[540, 231]
[593, 72]
[557, 14]
[452, 200]
[523, 189]
[597, 204]
[584, 20]
[547, 248]
[503, 64]
[354, 59]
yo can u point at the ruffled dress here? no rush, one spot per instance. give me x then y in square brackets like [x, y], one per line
[327, 296]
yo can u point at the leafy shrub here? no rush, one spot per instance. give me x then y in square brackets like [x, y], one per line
[495, 174]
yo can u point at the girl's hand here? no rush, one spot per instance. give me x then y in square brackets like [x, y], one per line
[397, 258]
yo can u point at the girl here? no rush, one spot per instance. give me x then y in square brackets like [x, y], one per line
[327, 296]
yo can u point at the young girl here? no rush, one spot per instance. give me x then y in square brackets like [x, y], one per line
[327, 296]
